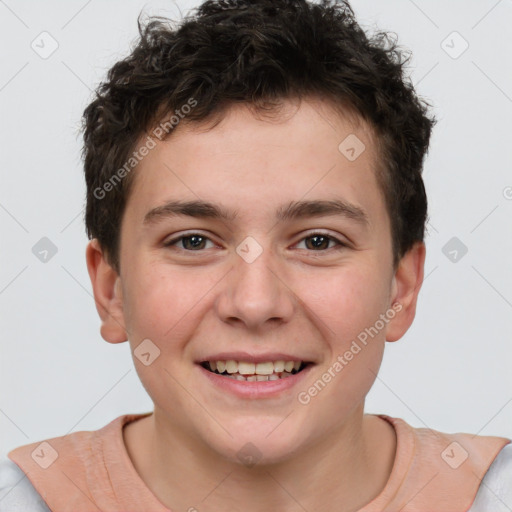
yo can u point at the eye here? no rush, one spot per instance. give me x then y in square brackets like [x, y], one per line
[195, 242]
[190, 242]
[321, 241]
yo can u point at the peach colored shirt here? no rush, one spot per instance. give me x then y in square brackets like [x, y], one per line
[90, 471]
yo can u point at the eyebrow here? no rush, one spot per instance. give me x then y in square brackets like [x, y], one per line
[294, 210]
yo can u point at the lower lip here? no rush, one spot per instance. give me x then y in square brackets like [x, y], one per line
[255, 389]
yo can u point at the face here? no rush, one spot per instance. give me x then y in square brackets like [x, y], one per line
[269, 282]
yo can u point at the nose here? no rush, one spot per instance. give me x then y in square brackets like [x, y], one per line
[256, 294]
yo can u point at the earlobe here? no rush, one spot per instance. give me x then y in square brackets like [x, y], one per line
[405, 288]
[106, 285]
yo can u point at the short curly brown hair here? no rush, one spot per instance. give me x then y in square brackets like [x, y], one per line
[259, 52]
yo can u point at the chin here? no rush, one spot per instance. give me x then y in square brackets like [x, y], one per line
[257, 444]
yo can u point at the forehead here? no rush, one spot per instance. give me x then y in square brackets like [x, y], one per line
[252, 165]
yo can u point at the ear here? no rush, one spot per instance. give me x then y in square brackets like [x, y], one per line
[108, 297]
[405, 288]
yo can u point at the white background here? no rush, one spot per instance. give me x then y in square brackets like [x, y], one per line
[451, 371]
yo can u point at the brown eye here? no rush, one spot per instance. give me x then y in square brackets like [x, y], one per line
[193, 242]
[320, 242]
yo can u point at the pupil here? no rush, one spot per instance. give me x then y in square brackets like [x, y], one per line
[315, 240]
[196, 240]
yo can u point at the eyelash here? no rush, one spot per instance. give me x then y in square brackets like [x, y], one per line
[341, 245]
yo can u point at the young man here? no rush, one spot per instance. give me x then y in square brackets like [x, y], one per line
[256, 209]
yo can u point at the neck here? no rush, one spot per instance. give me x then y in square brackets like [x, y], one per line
[343, 471]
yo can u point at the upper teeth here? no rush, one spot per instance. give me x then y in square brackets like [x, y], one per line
[245, 368]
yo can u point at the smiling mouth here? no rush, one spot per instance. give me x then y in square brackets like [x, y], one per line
[253, 372]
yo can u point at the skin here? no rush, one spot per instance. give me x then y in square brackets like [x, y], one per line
[294, 298]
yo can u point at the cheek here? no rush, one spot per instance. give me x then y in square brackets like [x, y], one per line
[164, 305]
[347, 307]
[347, 301]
